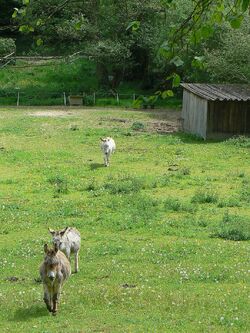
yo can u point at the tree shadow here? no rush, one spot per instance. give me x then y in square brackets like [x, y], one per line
[94, 166]
[32, 312]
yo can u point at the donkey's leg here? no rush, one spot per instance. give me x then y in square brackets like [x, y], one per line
[76, 261]
[108, 156]
[55, 299]
[105, 160]
[47, 297]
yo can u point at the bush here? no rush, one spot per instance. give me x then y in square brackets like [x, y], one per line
[137, 126]
[205, 196]
[7, 46]
[88, 100]
[229, 62]
[234, 227]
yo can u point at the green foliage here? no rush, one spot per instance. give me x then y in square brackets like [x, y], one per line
[7, 46]
[239, 141]
[229, 62]
[234, 227]
[60, 184]
[124, 185]
[137, 126]
[205, 196]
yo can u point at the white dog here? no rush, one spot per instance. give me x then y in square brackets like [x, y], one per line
[108, 148]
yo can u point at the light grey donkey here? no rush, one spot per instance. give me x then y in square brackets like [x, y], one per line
[68, 241]
[108, 147]
[54, 270]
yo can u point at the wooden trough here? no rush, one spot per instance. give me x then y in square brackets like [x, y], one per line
[75, 100]
[216, 110]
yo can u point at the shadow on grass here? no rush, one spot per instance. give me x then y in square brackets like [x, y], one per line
[94, 166]
[32, 312]
[188, 138]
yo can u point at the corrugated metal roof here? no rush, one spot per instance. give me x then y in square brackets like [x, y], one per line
[219, 92]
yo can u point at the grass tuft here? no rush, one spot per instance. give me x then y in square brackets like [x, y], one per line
[205, 196]
[60, 185]
[234, 227]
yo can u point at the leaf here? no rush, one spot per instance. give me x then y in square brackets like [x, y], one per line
[134, 25]
[245, 5]
[78, 25]
[206, 31]
[26, 28]
[165, 50]
[26, 2]
[14, 15]
[217, 17]
[198, 62]
[39, 42]
[39, 22]
[176, 80]
[167, 93]
[137, 103]
[177, 61]
[235, 21]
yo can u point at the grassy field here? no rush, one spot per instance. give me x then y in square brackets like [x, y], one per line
[165, 229]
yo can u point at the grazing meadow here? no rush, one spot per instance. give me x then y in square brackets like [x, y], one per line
[165, 229]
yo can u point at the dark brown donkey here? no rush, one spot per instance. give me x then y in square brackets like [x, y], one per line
[54, 270]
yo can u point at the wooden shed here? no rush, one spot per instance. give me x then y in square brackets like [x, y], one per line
[216, 110]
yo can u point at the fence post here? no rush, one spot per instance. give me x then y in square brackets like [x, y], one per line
[18, 98]
[94, 98]
[64, 99]
[117, 98]
[133, 97]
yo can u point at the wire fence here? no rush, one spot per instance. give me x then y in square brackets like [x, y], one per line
[43, 98]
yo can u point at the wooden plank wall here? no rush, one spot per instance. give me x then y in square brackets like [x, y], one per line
[228, 117]
[194, 114]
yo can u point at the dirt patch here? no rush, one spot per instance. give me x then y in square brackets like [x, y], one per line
[164, 126]
[51, 114]
[117, 120]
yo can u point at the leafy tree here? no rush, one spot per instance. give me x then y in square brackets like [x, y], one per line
[230, 61]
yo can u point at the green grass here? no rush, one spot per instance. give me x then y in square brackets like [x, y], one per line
[164, 229]
[44, 84]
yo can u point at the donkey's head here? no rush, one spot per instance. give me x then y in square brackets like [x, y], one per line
[105, 144]
[57, 236]
[51, 262]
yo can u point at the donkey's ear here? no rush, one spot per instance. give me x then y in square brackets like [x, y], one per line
[45, 248]
[102, 139]
[62, 232]
[51, 231]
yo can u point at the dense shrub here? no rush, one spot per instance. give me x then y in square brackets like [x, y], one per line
[234, 227]
[7, 46]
